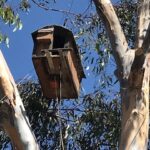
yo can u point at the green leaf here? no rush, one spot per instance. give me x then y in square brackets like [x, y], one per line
[20, 25]
[97, 46]
[15, 29]
[7, 42]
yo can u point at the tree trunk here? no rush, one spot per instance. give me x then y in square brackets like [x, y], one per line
[133, 72]
[135, 108]
[13, 119]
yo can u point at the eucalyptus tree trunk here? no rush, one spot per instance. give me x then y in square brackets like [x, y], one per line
[13, 119]
[133, 72]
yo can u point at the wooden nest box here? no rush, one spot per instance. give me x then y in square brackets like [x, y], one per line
[57, 62]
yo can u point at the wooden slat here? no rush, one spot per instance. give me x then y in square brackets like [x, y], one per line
[50, 62]
[44, 36]
[73, 73]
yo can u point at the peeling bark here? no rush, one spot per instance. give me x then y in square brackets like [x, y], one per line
[13, 118]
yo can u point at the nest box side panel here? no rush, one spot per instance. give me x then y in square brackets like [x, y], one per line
[73, 73]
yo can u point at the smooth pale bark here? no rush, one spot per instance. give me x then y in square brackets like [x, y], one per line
[135, 109]
[123, 55]
[133, 71]
[13, 118]
[143, 22]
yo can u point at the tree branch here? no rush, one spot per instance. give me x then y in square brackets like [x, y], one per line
[146, 42]
[123, 56]
[12, 112]
[143, 23]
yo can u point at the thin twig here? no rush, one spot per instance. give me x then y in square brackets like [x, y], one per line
[53, 9]
[87, 8]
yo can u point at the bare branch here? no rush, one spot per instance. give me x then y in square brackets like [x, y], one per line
[143, 22]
